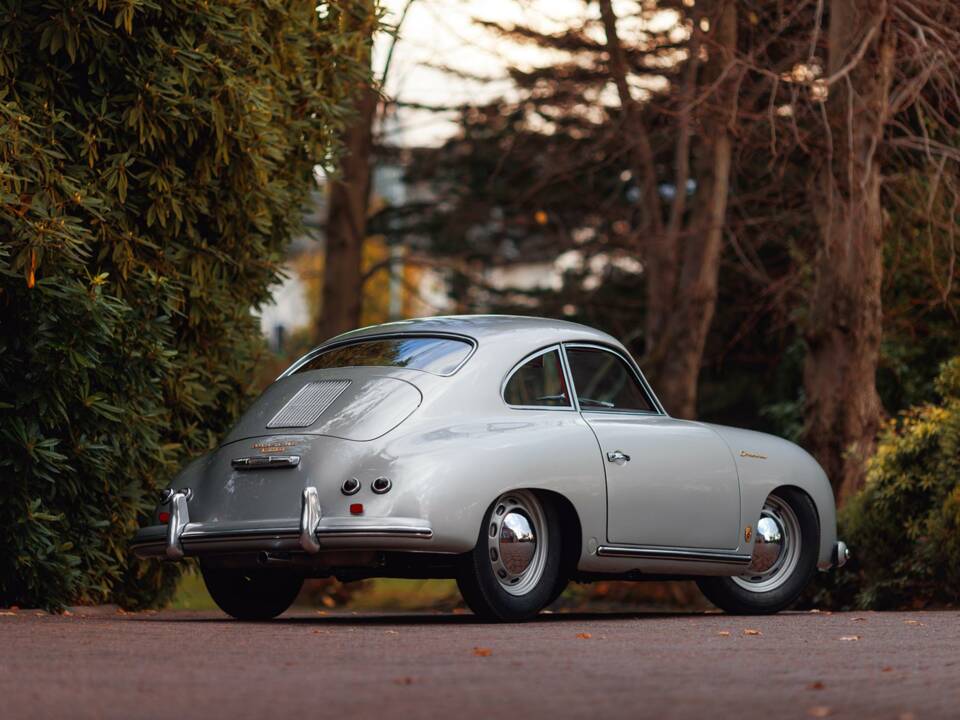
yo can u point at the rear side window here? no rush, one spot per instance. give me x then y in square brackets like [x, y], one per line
[441, 356]
[603, 381]
[538, 382]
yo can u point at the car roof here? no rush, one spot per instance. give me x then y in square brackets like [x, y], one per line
[537, 330]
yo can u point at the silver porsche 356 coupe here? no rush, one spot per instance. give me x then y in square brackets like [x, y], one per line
[513, 454]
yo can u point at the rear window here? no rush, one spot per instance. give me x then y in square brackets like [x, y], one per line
[440, 356]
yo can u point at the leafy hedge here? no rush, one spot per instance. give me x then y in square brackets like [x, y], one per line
[904, 527]
[154, 158]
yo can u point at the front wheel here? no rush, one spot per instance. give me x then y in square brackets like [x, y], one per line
[515, 569]
[784, 559]
[251, 594]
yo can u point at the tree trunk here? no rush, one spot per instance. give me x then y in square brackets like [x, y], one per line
[681, 261]
[349, 199]
[843, 410]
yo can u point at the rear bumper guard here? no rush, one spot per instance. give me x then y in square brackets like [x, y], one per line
[180, 537]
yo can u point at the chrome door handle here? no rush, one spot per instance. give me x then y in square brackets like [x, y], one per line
[618, 456]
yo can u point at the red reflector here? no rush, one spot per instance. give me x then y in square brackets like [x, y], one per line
[356, 508]
[164, 517]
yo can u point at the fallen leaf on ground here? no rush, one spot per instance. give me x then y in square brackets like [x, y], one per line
[584, 636]
[724, 633]
[482, 652]
[391, 632]
[818, 685]
[403, 681]
[907, 716]
[913, 622]
[859, 619]
[818, 711]
[67, 613]
[751, 631]
[886, 669]
[850, 638]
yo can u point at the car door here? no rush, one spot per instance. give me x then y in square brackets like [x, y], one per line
[670, 483]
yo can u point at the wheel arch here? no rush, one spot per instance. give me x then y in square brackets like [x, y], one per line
[572, 528]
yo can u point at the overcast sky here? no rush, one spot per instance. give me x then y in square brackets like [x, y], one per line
[442, 33]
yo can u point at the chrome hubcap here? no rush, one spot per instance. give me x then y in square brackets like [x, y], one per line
[516, 541]
[768, 545]
[776, 549]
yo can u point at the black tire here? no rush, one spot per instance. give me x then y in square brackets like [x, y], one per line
[731, 595]
[485, 594]
[252, 594]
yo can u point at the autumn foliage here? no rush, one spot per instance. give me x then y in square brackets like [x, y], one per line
[905, 523]
[154, 158]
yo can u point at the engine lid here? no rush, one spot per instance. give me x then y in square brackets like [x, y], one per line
[348, 403]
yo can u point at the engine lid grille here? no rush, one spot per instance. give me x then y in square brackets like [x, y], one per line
[306, 407]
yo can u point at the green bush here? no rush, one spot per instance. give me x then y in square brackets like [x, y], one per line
[154, 159]
[904, 526]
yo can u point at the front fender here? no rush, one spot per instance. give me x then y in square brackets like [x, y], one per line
[765, 463]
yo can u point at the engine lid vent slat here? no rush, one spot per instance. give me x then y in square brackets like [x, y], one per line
[306, 407]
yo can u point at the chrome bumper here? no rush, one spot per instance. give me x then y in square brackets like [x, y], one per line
[180, 537]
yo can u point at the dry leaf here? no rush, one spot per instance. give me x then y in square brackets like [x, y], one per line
[914, 622]
[818, 685]
[403, 681]
[482, 652]
[391, 632]
[859, 619]
[850, 638]
[751, 631]
[818, 711]
[584, 636]
[886, 669]
[724, 633]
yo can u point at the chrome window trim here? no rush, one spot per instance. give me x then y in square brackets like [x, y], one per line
[638, 376]
[571, 406]
[397, 335]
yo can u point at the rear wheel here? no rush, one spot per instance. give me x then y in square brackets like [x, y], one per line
[515, 569]
[252, 594]
[784, 559]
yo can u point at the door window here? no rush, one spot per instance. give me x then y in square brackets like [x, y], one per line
[604, 382]
[538, 382]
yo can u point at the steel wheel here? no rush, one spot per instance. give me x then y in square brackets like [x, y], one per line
[776, 550]
[515, 569]
[517, 541]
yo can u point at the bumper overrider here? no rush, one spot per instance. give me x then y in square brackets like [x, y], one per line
[180, 537]
[840, 554]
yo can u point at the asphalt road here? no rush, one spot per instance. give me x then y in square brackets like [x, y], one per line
[180, 665]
